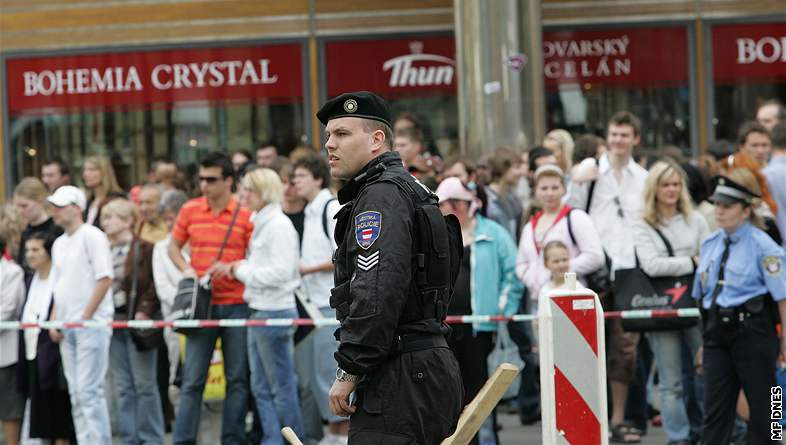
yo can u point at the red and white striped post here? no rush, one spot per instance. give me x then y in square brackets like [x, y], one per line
[573, 367]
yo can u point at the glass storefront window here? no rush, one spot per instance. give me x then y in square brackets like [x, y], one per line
[138, 107]
[133, 139]
[749, 67]
[591, 74]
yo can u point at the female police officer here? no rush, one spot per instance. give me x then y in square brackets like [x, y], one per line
[740, 283]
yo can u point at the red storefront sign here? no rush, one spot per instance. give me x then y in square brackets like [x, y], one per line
[416, 66]
[634, 57]
[271, 72]
[753, 51]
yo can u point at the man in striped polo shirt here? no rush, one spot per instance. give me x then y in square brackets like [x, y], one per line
[204, 222]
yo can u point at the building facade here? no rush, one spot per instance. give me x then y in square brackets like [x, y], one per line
[138, 80]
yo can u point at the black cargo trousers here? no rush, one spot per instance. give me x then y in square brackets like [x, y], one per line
[415, 398]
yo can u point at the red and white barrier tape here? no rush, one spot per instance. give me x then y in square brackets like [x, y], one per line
[228, 323]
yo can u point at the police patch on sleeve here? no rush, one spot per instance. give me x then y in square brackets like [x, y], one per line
[368, 226]
[772, 264]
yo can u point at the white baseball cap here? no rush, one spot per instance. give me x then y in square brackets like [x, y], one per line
[68, 195]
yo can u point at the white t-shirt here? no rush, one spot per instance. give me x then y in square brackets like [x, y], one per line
[78, 261]
[317, 248]
[36, 310]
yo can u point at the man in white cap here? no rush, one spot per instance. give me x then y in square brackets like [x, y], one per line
[81, 281]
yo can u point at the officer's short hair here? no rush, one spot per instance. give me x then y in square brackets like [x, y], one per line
[778, 135]
[317, 166]
[371, 126]
[750, 127]
[626, 118]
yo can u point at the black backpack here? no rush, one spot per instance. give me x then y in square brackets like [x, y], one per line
[439, 248]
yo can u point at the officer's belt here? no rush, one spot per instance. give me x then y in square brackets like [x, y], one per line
[754, 306]
[418, 342]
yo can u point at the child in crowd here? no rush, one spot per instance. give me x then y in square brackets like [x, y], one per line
[556, 258]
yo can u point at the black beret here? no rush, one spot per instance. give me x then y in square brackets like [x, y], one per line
[362, 104]
[728, 192]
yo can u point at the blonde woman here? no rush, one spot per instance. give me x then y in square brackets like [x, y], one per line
[270, 275]
[101, 183]
[30, 202]
[668, 209]
[133, 366]
[560, 142]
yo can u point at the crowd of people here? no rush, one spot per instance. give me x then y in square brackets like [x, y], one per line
[261, 226]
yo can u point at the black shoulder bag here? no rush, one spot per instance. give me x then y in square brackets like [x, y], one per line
[192, 301]
[635, 290]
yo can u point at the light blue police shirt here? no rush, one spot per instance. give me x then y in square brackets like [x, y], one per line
[754, 267]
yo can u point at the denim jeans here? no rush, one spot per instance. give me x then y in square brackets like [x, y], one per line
[667, 348]
[694, 394]
[271, 352]
[316, 370]
[199, 351]
[141, 419]
[85, 357]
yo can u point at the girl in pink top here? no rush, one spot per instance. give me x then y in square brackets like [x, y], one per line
[551, 224]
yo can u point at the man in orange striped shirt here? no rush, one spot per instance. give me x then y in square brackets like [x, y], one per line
[204, 222]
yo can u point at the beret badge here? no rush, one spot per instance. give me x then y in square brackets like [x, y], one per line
[350, 106]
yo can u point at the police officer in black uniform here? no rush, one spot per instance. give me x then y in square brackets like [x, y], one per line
[392, 353]
[741, 286]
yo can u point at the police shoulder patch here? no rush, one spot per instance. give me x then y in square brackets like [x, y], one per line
[772, 265]
[368, 226]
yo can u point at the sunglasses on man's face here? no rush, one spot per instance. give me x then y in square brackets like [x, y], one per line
[209, 179]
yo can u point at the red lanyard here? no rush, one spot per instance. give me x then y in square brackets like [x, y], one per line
[562, 213]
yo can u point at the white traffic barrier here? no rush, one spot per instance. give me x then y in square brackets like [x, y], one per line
[572, 367]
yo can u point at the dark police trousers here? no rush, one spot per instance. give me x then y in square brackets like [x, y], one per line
[414, 399]
[739, 354]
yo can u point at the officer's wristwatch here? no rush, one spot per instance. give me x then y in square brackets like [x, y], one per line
[344, 376]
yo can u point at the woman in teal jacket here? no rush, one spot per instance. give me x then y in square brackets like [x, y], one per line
[486, 285]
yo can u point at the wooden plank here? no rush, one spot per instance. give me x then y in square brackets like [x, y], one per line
[339, 6]
[180, 33]
[146, 13]
[438, 20]
[481, 406]
[290, 436]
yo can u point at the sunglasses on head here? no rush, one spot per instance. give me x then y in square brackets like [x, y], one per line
[209, 179]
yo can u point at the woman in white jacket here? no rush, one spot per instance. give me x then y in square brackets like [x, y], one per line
[270, 275]
[668, 208]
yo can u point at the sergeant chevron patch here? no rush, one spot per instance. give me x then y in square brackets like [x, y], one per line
[368, 262]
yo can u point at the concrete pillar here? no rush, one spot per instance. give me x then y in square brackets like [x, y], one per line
[500, 59]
